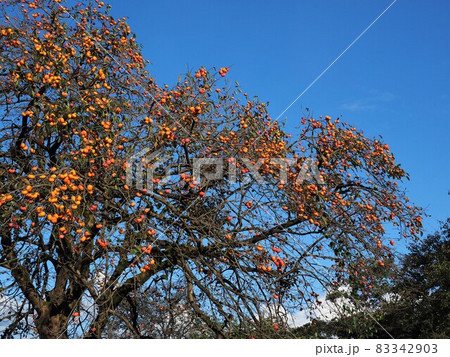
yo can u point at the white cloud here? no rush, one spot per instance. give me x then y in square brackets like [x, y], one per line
[371, 102]
[326, 311]
[357, 106]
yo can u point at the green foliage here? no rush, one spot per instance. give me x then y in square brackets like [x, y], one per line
[418, 305]
[423, 309]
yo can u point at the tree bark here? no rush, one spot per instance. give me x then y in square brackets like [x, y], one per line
[51, 326]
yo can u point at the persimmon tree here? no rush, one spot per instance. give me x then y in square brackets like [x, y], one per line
[84, 252]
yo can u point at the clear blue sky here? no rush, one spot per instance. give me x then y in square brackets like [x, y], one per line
[393, 82]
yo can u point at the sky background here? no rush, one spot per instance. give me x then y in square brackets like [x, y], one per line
[393, 82]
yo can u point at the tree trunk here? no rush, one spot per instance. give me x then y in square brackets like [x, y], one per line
[52, 326]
